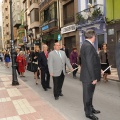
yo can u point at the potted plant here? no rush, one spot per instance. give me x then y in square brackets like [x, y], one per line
[80, 18]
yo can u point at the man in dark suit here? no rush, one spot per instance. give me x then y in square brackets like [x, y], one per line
[42, 62]
[66, 52]
[90, 73]
[65, 49]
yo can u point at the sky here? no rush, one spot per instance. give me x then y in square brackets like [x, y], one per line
[0, 12]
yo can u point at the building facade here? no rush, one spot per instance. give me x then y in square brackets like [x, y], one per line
[31, 21]
[91, 15]
[113, 27]
[49, 28]
[70, 35]
[6, 23]
[1, 44]
[17, 7]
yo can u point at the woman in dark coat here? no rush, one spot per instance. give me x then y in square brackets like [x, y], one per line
[7, 59]
[35, 55]
[104, 58]
[73, 61]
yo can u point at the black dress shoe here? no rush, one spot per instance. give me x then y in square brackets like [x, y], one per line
[92, 117]
[49, 87]
[45, 89]
[60, 94]
[95, 111]
[56, 98]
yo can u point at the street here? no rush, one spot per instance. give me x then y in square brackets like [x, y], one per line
[106, 97]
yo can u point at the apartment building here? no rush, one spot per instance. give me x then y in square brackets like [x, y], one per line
[6, 23]
[31, 21]
[1, 38]
[70, 35]
[49, 11]
[18, 23]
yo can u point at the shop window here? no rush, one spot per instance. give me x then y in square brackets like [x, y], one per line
[68, 10]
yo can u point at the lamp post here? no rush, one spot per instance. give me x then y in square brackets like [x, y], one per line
[13, 55]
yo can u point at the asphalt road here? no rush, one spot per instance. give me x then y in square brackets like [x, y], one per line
[106, 97]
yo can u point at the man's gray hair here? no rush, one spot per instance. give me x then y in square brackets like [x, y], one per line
[89, 33]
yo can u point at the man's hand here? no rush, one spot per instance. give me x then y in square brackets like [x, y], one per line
[51, 74]
[71, 69]
[102, 72]
[94, 82]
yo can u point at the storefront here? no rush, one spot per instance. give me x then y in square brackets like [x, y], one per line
[70, 37]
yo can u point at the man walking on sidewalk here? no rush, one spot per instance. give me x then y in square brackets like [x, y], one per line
[56, 63]
[90, 73]
[43, 65]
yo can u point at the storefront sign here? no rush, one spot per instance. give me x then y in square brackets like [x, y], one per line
[68, 29]
[45, 27]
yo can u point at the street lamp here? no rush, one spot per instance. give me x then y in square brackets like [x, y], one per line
[30, 34]
[13, 55]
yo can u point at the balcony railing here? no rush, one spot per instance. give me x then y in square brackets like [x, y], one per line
[43, 3]
[91, 15]
[68, 19]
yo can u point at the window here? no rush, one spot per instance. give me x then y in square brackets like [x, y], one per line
[53, 11]
[36, 1]
[30, 2]
[42, 17]
[18, 4]
[34, 15]
[49, 14]
[68, 10]
[93, 2]
[18, 17]
[46, 15]
[100, 40]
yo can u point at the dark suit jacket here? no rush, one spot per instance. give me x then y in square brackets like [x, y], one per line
[103, 56]
[66, 52]
[90, 63]
[42, 61]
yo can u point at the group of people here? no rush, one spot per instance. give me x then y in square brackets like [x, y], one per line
[54, 64]
[5, 56]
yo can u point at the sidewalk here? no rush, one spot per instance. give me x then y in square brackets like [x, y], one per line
[22, 103]
[113, 76]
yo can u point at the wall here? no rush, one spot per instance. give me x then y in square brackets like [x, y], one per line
[112, 9]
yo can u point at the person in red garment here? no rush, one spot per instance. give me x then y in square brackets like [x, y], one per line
[21, 63]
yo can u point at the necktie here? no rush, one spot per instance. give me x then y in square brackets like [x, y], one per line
[59, 54]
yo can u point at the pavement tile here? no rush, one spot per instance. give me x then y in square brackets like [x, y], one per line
[21, 103]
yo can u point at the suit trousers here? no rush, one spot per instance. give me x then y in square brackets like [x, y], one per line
[75, 71]
[45, 79]
[88, 91]
[58, 83]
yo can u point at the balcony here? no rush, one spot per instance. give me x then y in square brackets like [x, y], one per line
[51, 25]
[68, 19]
[43, 3]
[90, 16]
